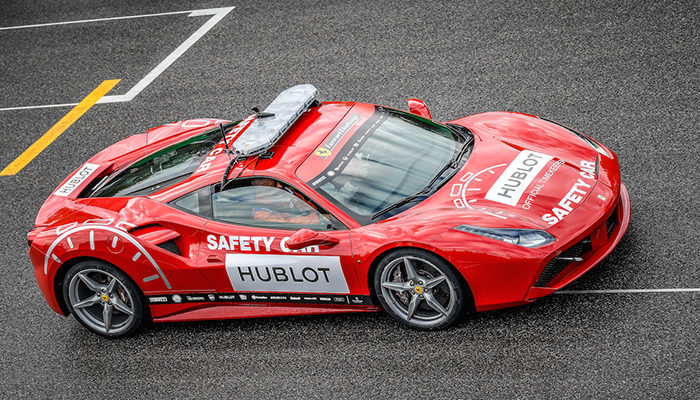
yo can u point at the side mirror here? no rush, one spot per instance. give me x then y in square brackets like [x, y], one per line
[306, 237]
[419, 108]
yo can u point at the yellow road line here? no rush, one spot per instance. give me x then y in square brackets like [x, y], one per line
[56, 131]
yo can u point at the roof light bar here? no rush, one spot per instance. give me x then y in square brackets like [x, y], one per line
[264, 132]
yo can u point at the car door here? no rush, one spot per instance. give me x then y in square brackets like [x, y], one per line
[244, 249]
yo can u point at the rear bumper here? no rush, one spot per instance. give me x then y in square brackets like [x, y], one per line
[595, 247]
[45, 281]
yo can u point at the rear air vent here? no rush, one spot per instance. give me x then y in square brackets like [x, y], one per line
[170, 246]
[157, 235]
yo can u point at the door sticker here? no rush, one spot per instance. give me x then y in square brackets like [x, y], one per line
[285, 273]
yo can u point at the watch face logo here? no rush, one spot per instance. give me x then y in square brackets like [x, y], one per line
[323, 152]
[510, 186]
[177, 298]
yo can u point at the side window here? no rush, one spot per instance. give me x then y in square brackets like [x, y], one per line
[267, 202]
[188, 202]
[196, 202]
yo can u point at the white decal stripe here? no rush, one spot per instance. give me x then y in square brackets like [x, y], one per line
[494, 215]
[150, 278]
[473, 177]
[65, 227]
[109, 229]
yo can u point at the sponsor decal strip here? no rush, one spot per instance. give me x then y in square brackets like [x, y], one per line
[350, 148]
[293, 298]
[327, 149]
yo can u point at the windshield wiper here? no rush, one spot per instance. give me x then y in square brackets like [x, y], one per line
[453, 163]
[462, 131]
[402, 202]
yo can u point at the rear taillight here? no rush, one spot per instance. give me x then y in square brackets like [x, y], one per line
[33, 234]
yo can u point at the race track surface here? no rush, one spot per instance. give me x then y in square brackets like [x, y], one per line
[625, 73]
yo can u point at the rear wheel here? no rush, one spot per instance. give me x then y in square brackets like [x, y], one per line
[104, 299]
[419, 289]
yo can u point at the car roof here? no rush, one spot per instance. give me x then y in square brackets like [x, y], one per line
[290, 150]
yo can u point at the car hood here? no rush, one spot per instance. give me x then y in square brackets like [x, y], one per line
[523, 172]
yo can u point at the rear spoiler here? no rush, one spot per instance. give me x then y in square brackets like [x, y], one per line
[79, 178]
[69, 189]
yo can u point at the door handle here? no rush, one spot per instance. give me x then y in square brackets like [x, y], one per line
[215, 259]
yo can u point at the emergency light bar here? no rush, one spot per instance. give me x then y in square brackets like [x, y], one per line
[264, 131]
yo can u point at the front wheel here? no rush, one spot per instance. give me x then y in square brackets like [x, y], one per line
[419, 289]
[104, 299]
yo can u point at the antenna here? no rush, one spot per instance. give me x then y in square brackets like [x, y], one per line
[231, 161]
[260, 115]
[227, 150]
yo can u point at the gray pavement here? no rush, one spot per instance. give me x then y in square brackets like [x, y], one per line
[625, 73]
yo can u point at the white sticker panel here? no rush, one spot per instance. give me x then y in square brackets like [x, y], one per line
[511, 185]
[81, 176]
[286, 273]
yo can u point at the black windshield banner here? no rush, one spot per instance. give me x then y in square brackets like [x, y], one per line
[350, 148]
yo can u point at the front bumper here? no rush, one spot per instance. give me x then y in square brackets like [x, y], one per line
[560, 271]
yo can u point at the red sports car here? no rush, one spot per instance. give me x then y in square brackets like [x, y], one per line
[311, 208]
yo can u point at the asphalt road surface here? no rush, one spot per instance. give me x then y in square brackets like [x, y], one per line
[625, 73]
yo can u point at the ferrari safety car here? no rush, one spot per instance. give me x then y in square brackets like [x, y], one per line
[333, 207]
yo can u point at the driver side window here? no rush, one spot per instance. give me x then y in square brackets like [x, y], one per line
[266, 202]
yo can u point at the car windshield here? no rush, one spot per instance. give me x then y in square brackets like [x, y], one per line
[378, 166]
[161, 169]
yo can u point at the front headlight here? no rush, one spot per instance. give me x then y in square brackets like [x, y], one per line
[522, 237]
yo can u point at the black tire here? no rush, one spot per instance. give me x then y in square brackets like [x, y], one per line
[104, 299]
[419, 289]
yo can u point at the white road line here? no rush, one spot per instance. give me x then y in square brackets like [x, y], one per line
[33, 107]
[93, 20]
[621, 291]
[217, 15]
